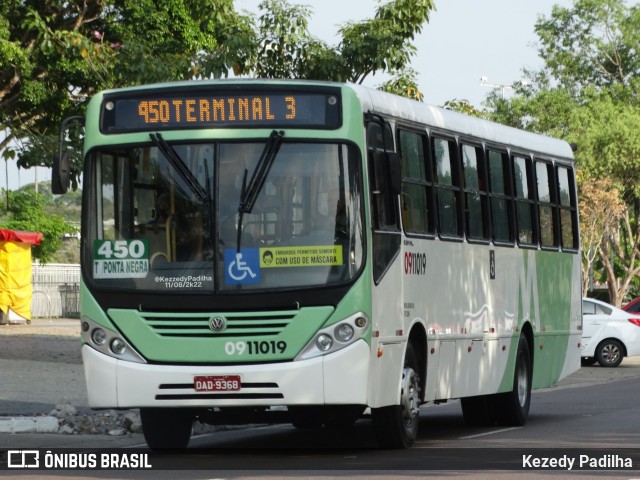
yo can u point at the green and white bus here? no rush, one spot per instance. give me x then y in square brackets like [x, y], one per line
[251, 245]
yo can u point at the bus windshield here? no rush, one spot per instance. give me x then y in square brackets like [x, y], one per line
[153, 226]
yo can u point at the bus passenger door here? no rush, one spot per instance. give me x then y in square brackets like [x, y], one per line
[387, 294]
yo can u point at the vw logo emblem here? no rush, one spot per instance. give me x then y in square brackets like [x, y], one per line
[217, 324]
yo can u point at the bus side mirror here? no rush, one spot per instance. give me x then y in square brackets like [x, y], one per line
[60, 173]
[70, 130]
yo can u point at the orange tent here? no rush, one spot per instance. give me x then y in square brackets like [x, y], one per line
[15, 272]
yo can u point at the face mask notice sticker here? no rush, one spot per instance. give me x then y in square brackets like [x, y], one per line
[307, 256]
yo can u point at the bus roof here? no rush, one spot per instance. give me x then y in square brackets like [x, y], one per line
[411, 111]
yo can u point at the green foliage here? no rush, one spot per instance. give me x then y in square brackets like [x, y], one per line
[463, 106]
[377, 45]
[55, 55]
[538, 109]
[587, 93]
[383, 43]
[608, 135]
[404, 84]
[594, 43]
[284, 39]
[27, 212]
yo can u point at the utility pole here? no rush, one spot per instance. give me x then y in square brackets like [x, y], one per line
[484, 81]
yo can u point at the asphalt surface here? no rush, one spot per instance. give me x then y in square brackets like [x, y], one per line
[41, 368]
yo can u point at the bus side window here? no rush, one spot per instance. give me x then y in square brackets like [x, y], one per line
[384, 218]
[475, 192]
[525, 203]
[384, 205]
[568, 210]
[447, 187]
[501, 197]
[417, 189]
[546, 204]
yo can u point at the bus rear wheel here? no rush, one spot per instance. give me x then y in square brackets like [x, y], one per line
[396, 426]
[513, 407]
[510, 408]
[166, 428]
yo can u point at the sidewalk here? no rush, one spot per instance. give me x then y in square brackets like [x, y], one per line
[42, 386]
[41, 366]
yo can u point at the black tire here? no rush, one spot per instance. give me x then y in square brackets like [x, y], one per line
[396, 426]
[588, 361]
[166, 428]
[306, 416]
[609, 353]
[342, 416]
[512, 408]
[476, 411]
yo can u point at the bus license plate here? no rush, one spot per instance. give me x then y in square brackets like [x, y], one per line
[216, 383]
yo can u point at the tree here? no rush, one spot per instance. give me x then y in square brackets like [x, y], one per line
[377, 45]
[54, 55]
[594, 43]
[587, 93]
[27, 213]
[404, 84]
[601, 211]
[463, 106]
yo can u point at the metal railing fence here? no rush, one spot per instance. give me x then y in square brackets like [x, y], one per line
[56, 290]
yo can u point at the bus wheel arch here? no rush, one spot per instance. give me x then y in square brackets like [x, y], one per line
[510, 408]
[527, 333]
[396, 426]
[418, 341]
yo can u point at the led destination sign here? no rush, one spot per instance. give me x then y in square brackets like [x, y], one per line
[170, 110]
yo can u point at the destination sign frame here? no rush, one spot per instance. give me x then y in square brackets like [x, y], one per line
[214, 107]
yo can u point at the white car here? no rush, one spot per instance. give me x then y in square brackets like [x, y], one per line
[608, 333]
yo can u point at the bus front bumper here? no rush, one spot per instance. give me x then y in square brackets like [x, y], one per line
[338, 378]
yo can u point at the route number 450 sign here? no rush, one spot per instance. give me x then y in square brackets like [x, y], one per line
[120, 259]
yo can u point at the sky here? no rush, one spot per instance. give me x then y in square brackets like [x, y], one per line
[463, 41]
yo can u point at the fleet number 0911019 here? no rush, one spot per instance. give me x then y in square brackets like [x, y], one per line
[255, 347]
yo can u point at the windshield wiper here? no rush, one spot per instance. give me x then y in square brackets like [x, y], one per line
[249, 193]
[177, 163]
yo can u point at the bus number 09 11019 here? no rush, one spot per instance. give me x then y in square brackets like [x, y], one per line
[254, 347]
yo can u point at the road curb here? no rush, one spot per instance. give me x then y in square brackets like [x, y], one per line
[44, 424]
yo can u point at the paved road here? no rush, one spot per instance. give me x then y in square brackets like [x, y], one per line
[41, 367]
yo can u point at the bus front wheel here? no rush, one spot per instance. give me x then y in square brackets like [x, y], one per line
[396, 426]
[166, 428]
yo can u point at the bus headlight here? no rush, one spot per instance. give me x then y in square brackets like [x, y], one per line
[336, 336]
[344, 332]
[118, 346]
[108, 342]
[99, 336]
[324, 342]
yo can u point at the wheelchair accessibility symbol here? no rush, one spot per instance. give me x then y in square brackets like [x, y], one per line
[243, 267]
